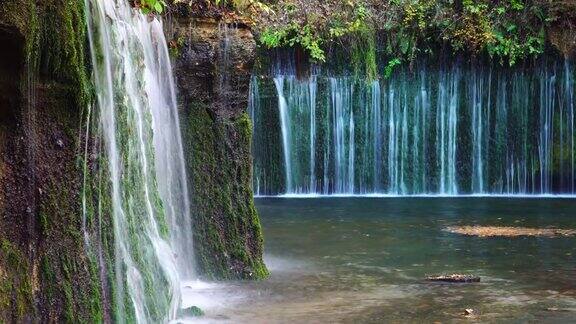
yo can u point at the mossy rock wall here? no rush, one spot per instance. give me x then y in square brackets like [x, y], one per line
[45, 274]
[213, 65]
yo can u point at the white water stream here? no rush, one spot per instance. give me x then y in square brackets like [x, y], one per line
[454, 129]
[138, 125]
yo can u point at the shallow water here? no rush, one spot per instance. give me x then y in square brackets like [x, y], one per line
[364, 260]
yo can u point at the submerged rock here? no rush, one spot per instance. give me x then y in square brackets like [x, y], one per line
[192, 311]
[556, 309]
[469, 313]
[457, 278]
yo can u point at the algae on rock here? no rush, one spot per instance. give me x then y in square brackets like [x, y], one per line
[213, 76]
[45, 274]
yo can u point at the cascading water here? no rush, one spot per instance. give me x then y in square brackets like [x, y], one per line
[343, 120]
[142, 162]
[448, 130]
[286, 138]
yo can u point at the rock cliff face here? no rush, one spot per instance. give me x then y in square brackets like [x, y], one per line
[45, 273]
[45, 276]
[213, 65]
[562, 32]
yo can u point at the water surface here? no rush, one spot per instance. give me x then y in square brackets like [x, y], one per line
[364, 260]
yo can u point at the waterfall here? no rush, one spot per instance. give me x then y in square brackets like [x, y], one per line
[569, 97]
[446, 126]
[286, 138]
[142, 163]
[170, 167]
[343, 118]
[376, 109]
[547, 98]
[479, 89]
[253, 108]
[449, 129]
[296, 105]
[312, 104]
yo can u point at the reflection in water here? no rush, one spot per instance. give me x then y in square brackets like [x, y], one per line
[364, 260]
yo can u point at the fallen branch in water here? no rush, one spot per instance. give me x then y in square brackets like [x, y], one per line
[454, 278]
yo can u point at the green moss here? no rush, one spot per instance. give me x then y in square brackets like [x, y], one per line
[15, 292]
[54, 53]
[62, 288]
[70, 278]
[53, 32]
[193, 311]
[55, 41]
[363, 53]
[227, 234]
[62, 45]
[99, 222]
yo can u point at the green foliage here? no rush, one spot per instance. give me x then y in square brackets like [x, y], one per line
[517, 4]
[390, 67]
[292, 35]
[510, 47]
[507, 30]
[150, 6]
[175, 46]
[362, 37]
[355, 28]
[273, 38]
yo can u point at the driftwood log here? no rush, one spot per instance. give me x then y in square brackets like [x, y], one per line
[456, 278]
[507, 231]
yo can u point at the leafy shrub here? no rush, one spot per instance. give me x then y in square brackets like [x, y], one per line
[507, 30]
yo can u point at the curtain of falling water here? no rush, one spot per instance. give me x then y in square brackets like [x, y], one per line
[168, 150]
[286, 134]
[456, 129]
[148, 198]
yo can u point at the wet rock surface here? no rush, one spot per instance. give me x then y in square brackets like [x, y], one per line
[45, 274]
[214, 59]
[214, 63]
